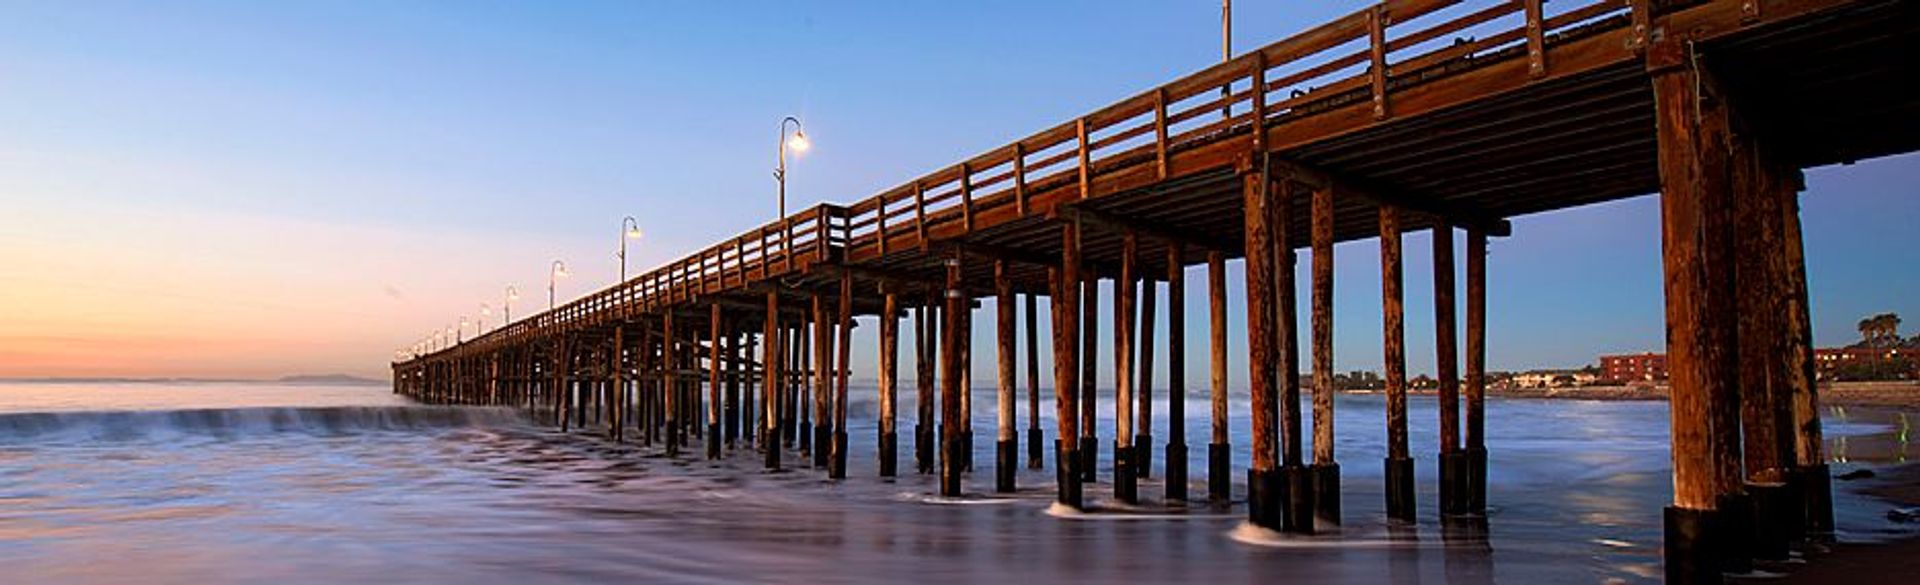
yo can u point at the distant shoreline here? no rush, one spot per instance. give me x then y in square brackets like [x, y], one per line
[322, 380]
[1904, 394]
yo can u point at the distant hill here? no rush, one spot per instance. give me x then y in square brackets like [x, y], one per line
[331, 380]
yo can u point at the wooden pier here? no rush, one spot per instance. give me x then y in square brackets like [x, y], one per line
[1410, 115]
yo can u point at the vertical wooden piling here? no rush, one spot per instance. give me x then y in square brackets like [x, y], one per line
[616, 381]
[1263, 498]
[753, 379]
[1125, 483]
[670, 372]
[837, 467]
[1696, 240]
[951, 462]
[822, 382]
[1812, 479]
[770, 357]
[1297, 480]
[1446, 364]
[1007, 447]
[889, 393]
[1089, 376]
[1219, 448]
[1176, 487]
[1065, 301]
[1034, 435]
[1143, 387]
[923, 430]
[1476, 389]
[1326, 470]
[713, 382]
[1399, 463]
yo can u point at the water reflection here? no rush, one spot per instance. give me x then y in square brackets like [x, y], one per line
[433, 495]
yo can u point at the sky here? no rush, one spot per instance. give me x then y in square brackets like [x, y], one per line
[248, 189]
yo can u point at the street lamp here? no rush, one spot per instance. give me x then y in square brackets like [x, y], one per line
[798, 142]
[506, 308]
[553, 276]
[485, 310]
[452, 336]
[461, 336]
[630, 230]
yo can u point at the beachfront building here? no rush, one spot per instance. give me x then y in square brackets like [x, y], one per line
[1630, 368]
[1554, 379]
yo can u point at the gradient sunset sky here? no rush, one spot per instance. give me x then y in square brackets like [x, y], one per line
[254, 189]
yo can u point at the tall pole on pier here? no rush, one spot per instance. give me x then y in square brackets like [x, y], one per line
[798, 142]
[506, 308]
[559, 271]
[629, 230]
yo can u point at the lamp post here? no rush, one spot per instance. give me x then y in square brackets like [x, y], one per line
[481, 327]
[629, 230]
[553, 276]
[798, 142]
[462, 335]
[506, 308]
[452, 337]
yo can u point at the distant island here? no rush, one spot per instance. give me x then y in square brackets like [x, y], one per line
[297, 380]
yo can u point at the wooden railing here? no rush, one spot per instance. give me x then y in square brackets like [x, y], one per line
[1364, 56]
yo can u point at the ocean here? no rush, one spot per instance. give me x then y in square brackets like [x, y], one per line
[215, 483]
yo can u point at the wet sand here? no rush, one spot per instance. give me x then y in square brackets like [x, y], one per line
[1872, 563]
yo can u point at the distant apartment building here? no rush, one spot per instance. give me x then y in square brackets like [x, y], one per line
[1866, 363]
[1834, 363]
[1638, 367]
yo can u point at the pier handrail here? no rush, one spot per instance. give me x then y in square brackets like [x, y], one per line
[1366, 55]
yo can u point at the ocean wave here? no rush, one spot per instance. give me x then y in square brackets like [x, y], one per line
[46, 427]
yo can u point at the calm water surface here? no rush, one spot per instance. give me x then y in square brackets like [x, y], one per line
[218, 483]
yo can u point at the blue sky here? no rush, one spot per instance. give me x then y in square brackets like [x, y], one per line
[305, 186]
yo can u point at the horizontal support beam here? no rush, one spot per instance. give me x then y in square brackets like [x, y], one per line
[1453, 213]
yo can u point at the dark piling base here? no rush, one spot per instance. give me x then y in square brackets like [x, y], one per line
[966, 450]
[950, 467]
[1793, 517]
[1771, 509]
[1264, 502]
[806, 438]
[923, 448]
[823, 446]
[889, 454]
[1143, 456]
[1089, 458]
[1067, 475]
[1400, 499]
[673, 438]
[772, 451]
[1176, 472]
[713, 441]
[1734, 533]
[1453, 484]
[1477, 481]
[1326, 493]
[1816, 485]
[1035, 453]
[1126, 486]
[1219, 473]
[1300, 507]
[837, 464]
[1690, 554]
[1005, 465]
